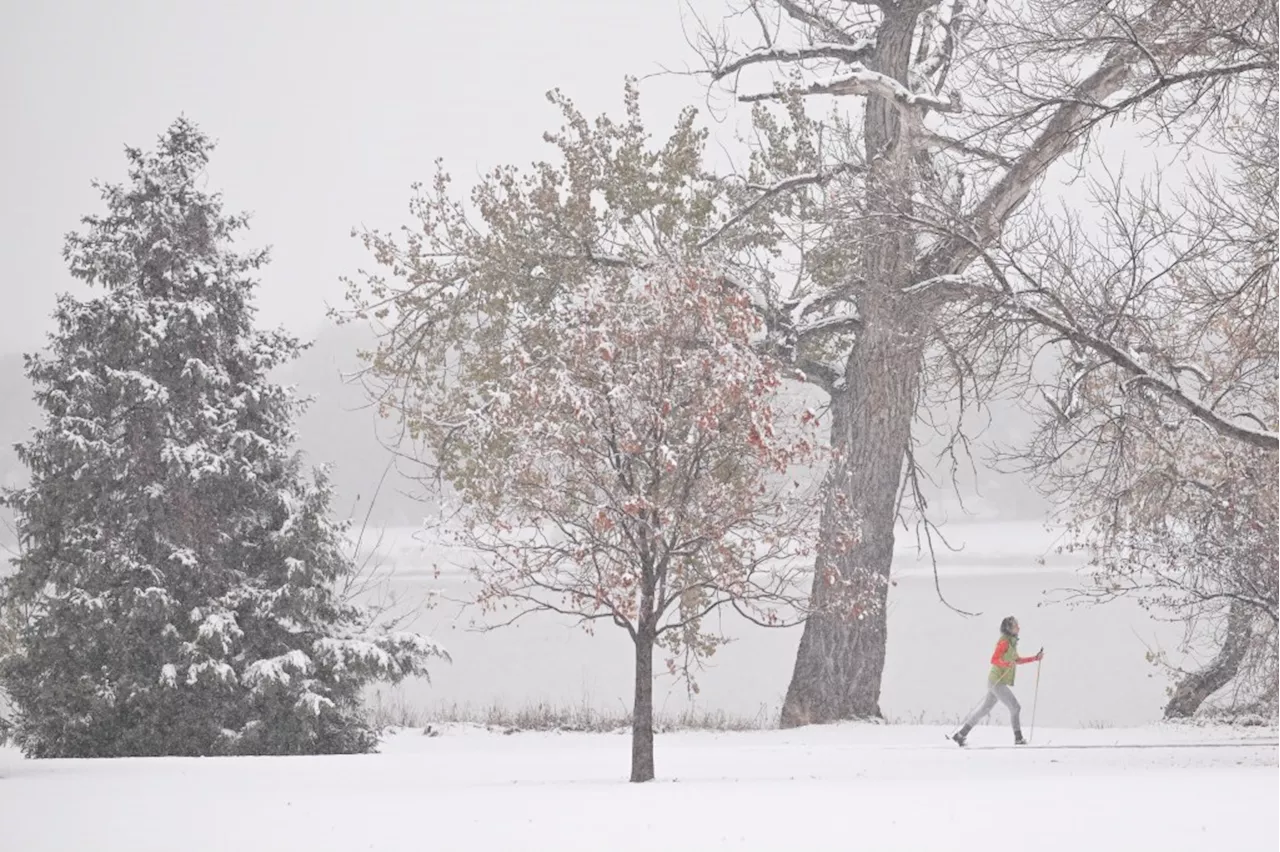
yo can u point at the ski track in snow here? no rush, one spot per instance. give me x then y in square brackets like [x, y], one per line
[843, 786]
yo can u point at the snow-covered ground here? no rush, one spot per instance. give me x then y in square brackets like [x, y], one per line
[877, 788]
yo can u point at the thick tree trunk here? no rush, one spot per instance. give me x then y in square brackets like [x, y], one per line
[1196, 687]
[841, 656]
[642, 711]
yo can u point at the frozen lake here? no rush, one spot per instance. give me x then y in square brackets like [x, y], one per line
[1095, 670]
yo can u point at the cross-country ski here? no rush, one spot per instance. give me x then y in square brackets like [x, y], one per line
[1244, 744]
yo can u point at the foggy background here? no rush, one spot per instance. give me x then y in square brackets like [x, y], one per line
[325, 114]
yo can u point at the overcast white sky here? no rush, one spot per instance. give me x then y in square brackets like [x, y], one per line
[324, 112]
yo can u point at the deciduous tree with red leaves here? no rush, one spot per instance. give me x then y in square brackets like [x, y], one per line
[623, 455]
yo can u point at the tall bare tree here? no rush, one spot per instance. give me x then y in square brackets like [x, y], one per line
[1159, 434]
[961, 110]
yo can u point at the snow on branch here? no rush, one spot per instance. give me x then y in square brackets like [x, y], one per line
[938, 282]
[969, 148]
[856, 53]
[810, 17]
[1192, 369]
[840, 322]
[864, 81]
[279, 669]
[772, 191]
[1018, 302]
[1140, 376]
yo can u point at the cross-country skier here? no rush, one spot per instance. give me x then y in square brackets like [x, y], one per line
[1004, 668]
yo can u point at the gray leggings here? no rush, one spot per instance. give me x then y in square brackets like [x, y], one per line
[1003, 694]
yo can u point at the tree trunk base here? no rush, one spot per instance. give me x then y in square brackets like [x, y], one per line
[1194, 689]
[837, 673]
[642, 714]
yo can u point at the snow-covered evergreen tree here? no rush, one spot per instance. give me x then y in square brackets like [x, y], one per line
[179, 575]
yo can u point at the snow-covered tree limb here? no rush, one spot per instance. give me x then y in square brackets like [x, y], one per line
[854, 53]
[864, 81]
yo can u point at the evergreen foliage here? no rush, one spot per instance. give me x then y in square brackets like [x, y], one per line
[179, 576]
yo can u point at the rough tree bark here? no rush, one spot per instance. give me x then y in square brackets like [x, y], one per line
[642, 710]
[1194, 689]
[842, 650]
[644, 638]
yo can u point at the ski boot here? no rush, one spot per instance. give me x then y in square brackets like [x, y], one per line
[959, 736]
[1017, 738]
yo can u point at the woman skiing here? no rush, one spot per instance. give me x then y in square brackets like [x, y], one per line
[1004, 668]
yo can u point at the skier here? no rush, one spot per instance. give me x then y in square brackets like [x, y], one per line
[1004, 667]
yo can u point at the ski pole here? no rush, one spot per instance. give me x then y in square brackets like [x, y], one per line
[1035, 700]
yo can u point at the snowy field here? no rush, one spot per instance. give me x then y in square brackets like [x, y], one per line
[878, 788]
